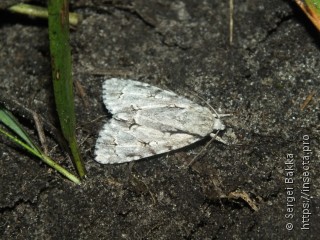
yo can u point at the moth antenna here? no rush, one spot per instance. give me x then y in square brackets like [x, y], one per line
[208, 104]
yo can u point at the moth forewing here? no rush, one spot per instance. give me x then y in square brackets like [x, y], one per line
[148, 121]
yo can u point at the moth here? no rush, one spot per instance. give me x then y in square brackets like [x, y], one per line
[148, 121]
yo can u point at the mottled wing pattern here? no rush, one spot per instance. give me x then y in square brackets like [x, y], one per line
[148, 121]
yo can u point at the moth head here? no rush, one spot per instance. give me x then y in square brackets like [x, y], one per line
[218, 125]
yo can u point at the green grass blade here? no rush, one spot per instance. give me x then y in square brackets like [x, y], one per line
[19, 142]
[314, 6]
[311, 9]
[10, 121]
[43, 157]
[41, 12]
[61, 74]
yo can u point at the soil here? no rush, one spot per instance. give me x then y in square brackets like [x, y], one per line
[263, 185]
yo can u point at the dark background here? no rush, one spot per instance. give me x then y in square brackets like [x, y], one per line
[263, 78]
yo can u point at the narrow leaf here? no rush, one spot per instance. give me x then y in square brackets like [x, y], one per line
[33, 149]
[61, 75]
[41, 12]
[10, 121]
[311, 8]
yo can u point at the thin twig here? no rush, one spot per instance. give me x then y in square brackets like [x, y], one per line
[40, 131]
[231, 22]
